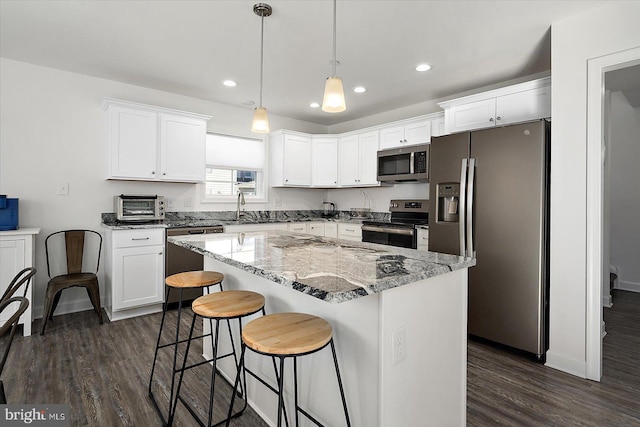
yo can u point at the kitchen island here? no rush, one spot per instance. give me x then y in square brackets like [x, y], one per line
[399, 319]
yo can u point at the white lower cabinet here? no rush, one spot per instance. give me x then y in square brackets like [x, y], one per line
[134, 272]
[316, 228]
[331, 229]
[350, 232]
[17, 252]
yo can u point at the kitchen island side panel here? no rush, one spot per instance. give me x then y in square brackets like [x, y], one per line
[429, 385]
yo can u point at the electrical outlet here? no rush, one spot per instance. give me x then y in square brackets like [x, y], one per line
[62, 188]
[169, 203]
[399, 345]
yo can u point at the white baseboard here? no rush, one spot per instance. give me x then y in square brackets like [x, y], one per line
[607, 301]
[67, 307]
[603, 330]
[628, 286]
[566, 364]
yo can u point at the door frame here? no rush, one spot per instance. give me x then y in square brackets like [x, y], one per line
[597, 67]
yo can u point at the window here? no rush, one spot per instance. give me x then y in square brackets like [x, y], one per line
[234, 164]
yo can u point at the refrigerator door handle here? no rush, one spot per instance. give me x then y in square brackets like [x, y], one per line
[462, 214]
[469, 217]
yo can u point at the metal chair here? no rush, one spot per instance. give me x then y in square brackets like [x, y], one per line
[74, 245]
[10, 325]
[22, 278]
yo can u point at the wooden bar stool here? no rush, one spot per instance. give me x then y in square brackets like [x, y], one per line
[179, 282]
[285, 335]
[224, 305]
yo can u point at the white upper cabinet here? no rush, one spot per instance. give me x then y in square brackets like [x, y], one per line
[154, 143]
[324, 155]
[511, 104]
[411, 133]
[182, 148]
[358, 160]
[290, 159]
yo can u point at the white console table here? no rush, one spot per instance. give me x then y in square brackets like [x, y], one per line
[17, 251]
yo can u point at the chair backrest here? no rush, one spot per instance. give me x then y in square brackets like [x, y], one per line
[22, 278]
[74, 244]
[11, 324]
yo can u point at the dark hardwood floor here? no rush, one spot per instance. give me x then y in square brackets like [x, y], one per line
[508, 389]
[102, 372]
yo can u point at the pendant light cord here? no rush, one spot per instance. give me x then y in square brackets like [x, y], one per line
[334, 39]
[261, 55]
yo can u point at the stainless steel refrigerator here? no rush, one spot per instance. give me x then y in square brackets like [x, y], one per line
[489, 199]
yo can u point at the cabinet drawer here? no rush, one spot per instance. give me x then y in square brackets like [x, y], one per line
[142, 237]
[350, 230]
[298, 228]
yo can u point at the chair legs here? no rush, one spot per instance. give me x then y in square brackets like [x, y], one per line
[53, 297]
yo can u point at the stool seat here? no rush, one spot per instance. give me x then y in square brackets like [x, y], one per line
[194, 279]
[287, 334]
[228, 304]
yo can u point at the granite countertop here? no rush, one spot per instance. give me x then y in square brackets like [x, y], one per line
[329, 269]
[212, 219]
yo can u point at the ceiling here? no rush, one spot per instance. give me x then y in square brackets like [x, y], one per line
[190, 47]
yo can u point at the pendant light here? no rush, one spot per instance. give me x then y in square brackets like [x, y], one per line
[333, 101]
[260, 118]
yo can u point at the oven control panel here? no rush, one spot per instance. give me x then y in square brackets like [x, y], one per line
[417, 205]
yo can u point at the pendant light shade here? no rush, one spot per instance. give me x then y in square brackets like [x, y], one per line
[260, 121]
[333, 101]
[260, 118]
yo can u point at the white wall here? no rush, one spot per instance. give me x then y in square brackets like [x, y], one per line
[52, 130]
[624, 152]
[574, 41]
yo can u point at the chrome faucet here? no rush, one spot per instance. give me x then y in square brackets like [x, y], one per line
[240, 202]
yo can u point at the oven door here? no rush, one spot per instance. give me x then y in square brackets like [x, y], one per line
[392, 236]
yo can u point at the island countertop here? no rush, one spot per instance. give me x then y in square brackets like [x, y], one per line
[332, 270]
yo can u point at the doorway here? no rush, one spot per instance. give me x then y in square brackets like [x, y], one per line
[597, 249]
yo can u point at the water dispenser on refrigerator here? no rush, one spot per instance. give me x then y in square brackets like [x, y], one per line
[448, 195]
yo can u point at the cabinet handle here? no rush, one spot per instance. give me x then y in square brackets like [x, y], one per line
[349, 229]
[286, 180]
[491, 119]
[164, 173]
[159, 253]
[153, 172]
[139, 238]
[498, 118]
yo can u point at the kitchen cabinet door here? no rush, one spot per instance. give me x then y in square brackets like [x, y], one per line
[368, 159]
[316, 228]
[351, 232]
[138, 277]
[133, 136]
[523, 106]
[349, 161]
[417, 133]
[182, 148]
[391, 137]
[331, 229]
[297, 160]
[17, 252]
[475, 115]
[324, 154]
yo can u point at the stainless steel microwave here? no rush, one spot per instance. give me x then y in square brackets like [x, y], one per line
[138, 208]
[404, 164]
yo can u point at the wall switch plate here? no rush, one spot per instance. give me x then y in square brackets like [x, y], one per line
[62, 188]
[187, 202]
[399, 345]
[169, 203]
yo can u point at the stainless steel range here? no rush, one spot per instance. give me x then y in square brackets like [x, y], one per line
[401, 230]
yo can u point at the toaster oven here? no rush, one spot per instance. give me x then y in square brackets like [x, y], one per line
[138, 208]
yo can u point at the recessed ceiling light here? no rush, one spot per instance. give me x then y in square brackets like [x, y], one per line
[230, 83]
[423, 67]
[314, 105]
[359, 89]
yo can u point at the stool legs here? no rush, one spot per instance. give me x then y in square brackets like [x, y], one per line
[280, 391]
